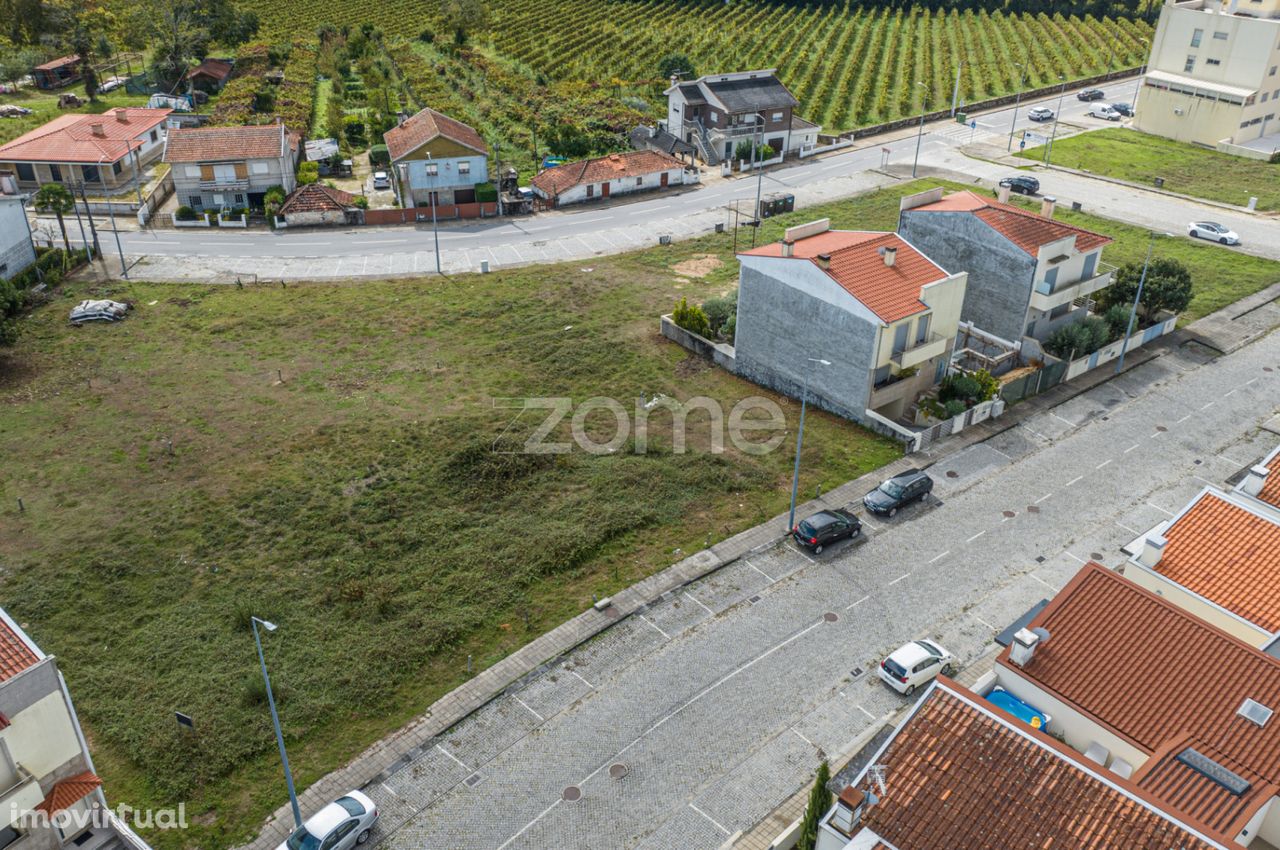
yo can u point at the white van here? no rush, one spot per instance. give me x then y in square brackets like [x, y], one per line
[1102, 110]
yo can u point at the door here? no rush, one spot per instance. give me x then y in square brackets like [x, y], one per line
[604, 189]
[900, 337]
[664, 181]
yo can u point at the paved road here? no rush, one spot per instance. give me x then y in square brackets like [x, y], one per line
[714, 704]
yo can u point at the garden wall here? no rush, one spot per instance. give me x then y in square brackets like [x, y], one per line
[1111, 350]
[413, 215]
[717, 352]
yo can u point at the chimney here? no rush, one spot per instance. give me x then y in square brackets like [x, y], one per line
[850, 806]
[1023, 648]
[788, 248]
[1254, 480]
[1152, 550]
[1002, 194]
[97, 129]
[824, 261]
[122, 115]
[890, 255]
[1046, 206]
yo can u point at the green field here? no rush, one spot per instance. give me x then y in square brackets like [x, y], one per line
[1189, 169]
[44, 107]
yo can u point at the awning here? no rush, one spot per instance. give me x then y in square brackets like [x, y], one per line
[1195, 83]
[70, 791]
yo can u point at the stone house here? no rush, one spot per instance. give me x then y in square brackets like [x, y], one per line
[16, 249]
[317, 204]
[607, 176]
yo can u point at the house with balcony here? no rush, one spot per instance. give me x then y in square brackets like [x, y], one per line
[50, 796]
[1157, 699]
[108, 154]
[961, 773]
[717, 111]
[217, 168]
[436, 161]
[877, 308]
[1029, 274]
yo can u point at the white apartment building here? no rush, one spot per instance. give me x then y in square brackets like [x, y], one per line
[1212, 77]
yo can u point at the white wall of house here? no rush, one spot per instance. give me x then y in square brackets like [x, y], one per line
[626, 185]
[260, 175]
[42, 737]
[16, 250]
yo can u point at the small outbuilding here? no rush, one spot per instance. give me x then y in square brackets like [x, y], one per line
[607, 176]
[210, 75]
[317, 204]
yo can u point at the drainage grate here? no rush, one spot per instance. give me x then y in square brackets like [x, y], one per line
[472, 781]
[572, 794]
[831, 616]
[1033, 509]
[1040, 559]
[857, 672]
[618, 770]
[753, 600]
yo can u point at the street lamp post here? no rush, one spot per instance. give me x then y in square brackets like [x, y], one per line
[795, 475]
[435, 226]
[924, 105]
[1017, 101]
[1048, 149]
[111, 211]
[759, 175]
[1133, 311]
[275, 718]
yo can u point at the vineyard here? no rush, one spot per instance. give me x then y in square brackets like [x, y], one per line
[849, 66]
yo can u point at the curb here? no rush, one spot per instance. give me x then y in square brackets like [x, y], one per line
[1128, 184]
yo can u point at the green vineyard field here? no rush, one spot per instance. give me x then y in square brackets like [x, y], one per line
[849, 66]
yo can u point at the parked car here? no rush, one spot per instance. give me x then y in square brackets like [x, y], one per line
[111, 84]
[898, 492]
[381, 180]
[1102, 110]
[1090, 94]
[1040, 113]
[824, 528]
[98, 311]
[1022, 184]
[1213, 231]
[1124, 109]
[914, 664]
[341, 825]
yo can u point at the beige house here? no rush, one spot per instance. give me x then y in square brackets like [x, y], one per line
[1212, 76]
[107, 153]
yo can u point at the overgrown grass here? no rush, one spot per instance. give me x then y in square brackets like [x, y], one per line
[1189, 169]
[319, 121]
[44, 107]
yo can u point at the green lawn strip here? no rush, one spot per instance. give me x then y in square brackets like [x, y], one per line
[1188, 169]
[324, 91]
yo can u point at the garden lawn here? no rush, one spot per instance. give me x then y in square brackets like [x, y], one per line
[44, 107]
[1188, 169]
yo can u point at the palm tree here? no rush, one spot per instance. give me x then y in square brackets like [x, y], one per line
[54, 198]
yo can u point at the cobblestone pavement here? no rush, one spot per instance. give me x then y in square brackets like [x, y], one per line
[688, 723]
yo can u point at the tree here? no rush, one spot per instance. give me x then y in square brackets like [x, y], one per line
[54, 198]
[676, 63]
[464, 17]
[182, 31]
[1167, 287]
[819, 802]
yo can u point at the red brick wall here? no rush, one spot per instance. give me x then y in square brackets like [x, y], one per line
[444, 212]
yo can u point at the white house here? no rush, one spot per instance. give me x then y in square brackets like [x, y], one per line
[716, 112]
[615, 174]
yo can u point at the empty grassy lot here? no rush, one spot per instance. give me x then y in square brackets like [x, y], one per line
[173, 488]
[1189, 169]
[44, 107]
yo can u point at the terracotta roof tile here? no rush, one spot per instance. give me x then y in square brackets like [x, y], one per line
[1227, 554]
[69, 792]
[316, 197]
[1026, 229]
[70, 138]
[1155, 674]
[1183, 788]
[958, 774]
[614, 166]
[218, 69]
[1270, 492]
[427, 125]
[216, 144]
[891, 292]
[16, 654]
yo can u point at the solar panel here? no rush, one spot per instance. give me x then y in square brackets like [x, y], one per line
[1210, 769]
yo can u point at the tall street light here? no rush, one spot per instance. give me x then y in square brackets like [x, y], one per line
[275, 718]
[795, 475]
[1057, 117]
[1017, 101]
[759, 174]
[1133, 311]
[920, 133]
[111, 211]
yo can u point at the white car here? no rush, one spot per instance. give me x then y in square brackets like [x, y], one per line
[111, 84]
[1102, 110]
[1040, 113]
[341, 825]
[98, 311]
[381, 180]
[914, 664]
[1213, 231]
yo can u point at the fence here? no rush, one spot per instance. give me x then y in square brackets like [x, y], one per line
[980, 412]
[1034, 383]
[443, 212]
[834, 146]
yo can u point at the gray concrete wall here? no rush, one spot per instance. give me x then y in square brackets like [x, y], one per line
[1000, 274]
[28, 687]
[779, 327]
[16, 250]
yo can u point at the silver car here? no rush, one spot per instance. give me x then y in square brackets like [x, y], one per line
[381, 180]
[341, 825]
[1040, 113]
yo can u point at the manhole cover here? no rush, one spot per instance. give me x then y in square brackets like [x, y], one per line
[572, 794]
[831, 616]
[472, 781]
[617, 771]
[951, 473]
[611, 612]
[1033, 509]
[1161, 428]
[1267, 369]
[1040, 559]
[1009, 514]
[1198, 462]
[1097, 556]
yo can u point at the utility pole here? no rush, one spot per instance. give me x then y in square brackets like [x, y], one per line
[97, 246]
[1048, 149]
[955, 94]
[1017, 101]
[920, 133]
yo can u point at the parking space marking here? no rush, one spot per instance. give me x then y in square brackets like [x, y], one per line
[388, 789]
[1077, 557]
[984, 622]
[1183, 419]
[454, 758]
[1205, 480]
[1128, 529]
[1250, 381]
[1060, 419]
[868, 523]
[504, 845]
[656, 626]
[864, 711]
[1033, 431]
[582, 680]
[1209, 405]
[714, 822]
[1230, 393]
[898, 579]
[1160, 509]
[760, 571]
[699, 604]
[1229, 460]
[802, 737]
[1104, 463]
[1042, 581]
[997, 451]
[530, 710]
[856, 604]
[939, 557]
[976, 536]
[1042, 498]
[1073, 480]
[1131, 448]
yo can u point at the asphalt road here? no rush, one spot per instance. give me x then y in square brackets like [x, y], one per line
[690, 722]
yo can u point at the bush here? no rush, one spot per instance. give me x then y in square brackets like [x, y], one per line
[691, 318]
[730, 328]
[1117, 319]
[486, 193]
[185, 213]
[362, 202]
[427, 37]
[354, 130]
[954, 407]
[379, 155]
[308, 173]
[719, 310]
[1076, 340]
[959, 388]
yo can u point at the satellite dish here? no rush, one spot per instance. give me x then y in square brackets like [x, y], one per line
[1042, 633]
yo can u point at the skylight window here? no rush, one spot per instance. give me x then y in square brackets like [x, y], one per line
[1255, 712]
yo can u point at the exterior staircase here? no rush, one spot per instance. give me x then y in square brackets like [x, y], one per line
[703, 143]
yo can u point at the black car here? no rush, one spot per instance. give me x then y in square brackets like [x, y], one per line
[1090, 94]
[826, 527]
[898, 492]
[1124, 109]
[1022, 185]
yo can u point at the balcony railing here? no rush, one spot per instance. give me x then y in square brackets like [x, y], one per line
[233, 185]
[920, 351]
[1046, 297]
[23, 794]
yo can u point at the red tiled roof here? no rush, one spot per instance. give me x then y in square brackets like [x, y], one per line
[614, 166]
[218, 69]
[1155, 674]
[16, 654]
[69, 792]
[316, 197]
[958, 775]
[70, 138]
[215, 144]
[1270, 492]
[1227, 554]
[427, 125]
[1026, 229]
[1184, 789]
[891, 292]
[58, 63]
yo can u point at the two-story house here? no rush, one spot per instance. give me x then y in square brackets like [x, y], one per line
[436, 160]
[1028, 274]
[106, 153]
[881, 312]
[230, 167]
[50, 797]
[717, 111]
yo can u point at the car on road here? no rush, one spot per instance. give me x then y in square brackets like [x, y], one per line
[1102, 110]
[341, 825]
[1213, 231]
[1022, 184]
[381, 180]
[824, 528]
[1040, 113]
[1090, 94]
[98, 311]
[1124, 109]
[898, 492]
[914, 664]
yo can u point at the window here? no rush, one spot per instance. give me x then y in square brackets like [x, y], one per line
[223, 173]
[1195, 37]
[259, 168]
[239, 200]
[1212, 62]
[881, 375]
[591, 190]
[1191, 64]
[922, 330]
[1060, 311]
[639, 181]
[432, 169]
[154, 136]
[90, 173]
[464, 167]
[714, 117]
[1090, 266]
[55, 173]
[1265, 95]
[115, 167]
[1275, 94]
[777, 116]
[26, 171]
[1220, 35]
[196, 202]
[8, 835]
[1272, 72]
[193, 171]
[1051, 278]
